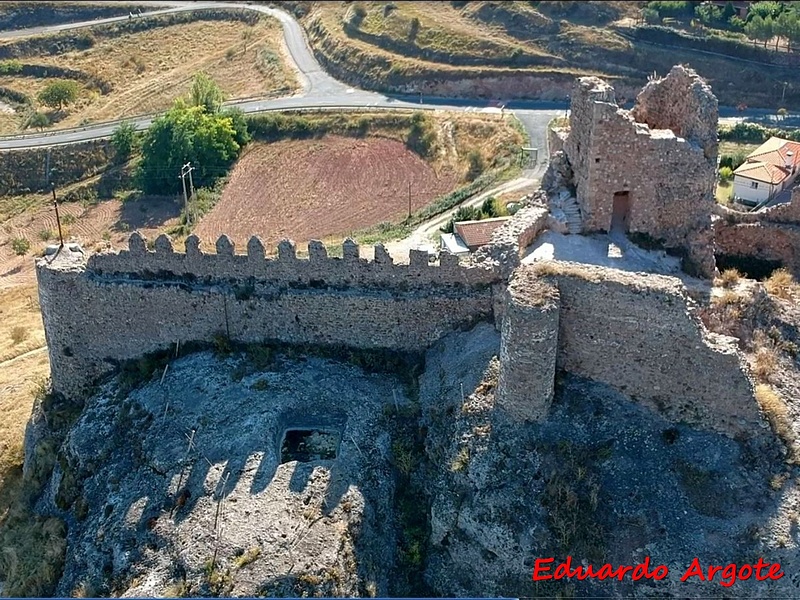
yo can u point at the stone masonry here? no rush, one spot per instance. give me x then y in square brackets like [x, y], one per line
[637, 333]
[118, 306]
[771, 234]
[653, 168]
[528, 347]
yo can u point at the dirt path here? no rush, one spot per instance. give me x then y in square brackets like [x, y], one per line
[5, 363]
[428, 232]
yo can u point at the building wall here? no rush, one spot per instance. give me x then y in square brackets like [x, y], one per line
[121, 306]
[742, 188]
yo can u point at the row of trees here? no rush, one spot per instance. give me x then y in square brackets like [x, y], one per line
[785, 25]
[765, 20]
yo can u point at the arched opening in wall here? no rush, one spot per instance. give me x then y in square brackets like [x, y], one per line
[749, 266]
[620, 212]
[307, 445]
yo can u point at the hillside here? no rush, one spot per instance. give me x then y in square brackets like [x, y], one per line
[334, 186]
[139, 67]
[506, 50]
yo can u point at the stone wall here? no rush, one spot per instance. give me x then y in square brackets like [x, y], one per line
[669, 179]
[556, 136]
[117, 306]
[528, 347]
[771, 234]
[508, 242]
[639, 334]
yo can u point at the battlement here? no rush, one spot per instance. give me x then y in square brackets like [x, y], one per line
[318, 269]
[102, 309]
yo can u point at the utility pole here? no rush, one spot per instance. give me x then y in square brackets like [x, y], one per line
[186, 170]
[783, 93]
[409, 200]
[58, 219]
[191, 189]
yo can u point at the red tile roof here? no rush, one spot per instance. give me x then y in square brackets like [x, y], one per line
[763, 172]
[769, 162]
[478, 233]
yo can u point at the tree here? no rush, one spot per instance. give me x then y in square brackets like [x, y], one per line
[759, 29]
[59, 93]
[728, 12]
[124, 140]
[787, 26]
[239, 122]
[764, 9]
[650, 16]
[37, 119]
[708, 14]
[206, 93]
[187, 134]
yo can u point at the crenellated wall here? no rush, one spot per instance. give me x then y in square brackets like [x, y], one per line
[110, 307]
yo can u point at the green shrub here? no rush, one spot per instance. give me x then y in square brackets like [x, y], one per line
[421, 136]
[20, 246]
[124, 140]
[464, 213]
[38, 120]
[477, 165]
[10, 67]
[725, 174]
[675, 10]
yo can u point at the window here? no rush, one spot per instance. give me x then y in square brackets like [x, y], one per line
[754, 184]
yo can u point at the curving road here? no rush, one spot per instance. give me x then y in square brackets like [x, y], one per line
[320, 90]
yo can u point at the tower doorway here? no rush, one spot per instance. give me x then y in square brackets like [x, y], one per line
[620, 212]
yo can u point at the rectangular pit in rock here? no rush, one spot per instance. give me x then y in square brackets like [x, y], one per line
[308, 445]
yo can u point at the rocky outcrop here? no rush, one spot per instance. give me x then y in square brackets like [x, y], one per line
[190, 485]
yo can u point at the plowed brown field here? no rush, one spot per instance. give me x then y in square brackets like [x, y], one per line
[304, 190]
[109, 219]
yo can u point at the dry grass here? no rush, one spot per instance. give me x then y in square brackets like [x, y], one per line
[777, 414]
[765, 362]
[728, 278]
[724, 192]
[461, 461]
[149, 69]
[20, 322]
[727, 298]
[32, 547]
[736, 148]
[782, 284]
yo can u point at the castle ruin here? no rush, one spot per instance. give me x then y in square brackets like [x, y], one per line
[649, 171]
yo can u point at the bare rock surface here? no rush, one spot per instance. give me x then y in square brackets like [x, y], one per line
[153, 514]
[603, 480]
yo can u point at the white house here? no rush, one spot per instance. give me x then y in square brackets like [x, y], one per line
[770, 169]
